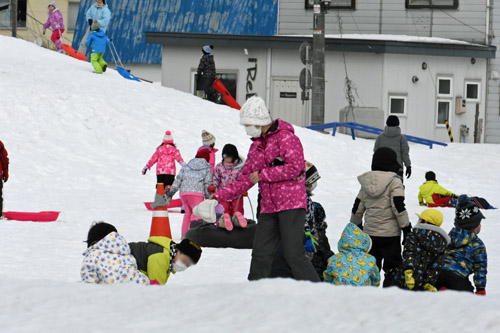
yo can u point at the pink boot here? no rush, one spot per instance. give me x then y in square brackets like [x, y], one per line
[241, 219]
[227, 222]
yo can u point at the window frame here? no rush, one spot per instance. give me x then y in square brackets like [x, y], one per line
[70, 2]
[450, 103]
[405, 105]
[352, 6]
[448, 78]
[219, 72]
[472, 82]
[455, 5]
[20, 23]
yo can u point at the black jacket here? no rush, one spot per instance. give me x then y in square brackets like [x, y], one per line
[423, 253]
[206, 69]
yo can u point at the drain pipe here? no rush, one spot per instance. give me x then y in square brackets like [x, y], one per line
[488, 13]
[268, 77]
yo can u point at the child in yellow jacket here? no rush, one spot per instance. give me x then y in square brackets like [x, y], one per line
[434, 194]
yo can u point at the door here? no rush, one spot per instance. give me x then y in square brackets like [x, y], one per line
[286, 102]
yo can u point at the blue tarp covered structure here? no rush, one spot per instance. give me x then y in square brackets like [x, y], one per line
[132, 18]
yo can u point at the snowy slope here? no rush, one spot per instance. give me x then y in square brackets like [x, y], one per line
[77, 144]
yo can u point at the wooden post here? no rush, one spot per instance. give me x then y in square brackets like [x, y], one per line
[476, 125]
[13, 17]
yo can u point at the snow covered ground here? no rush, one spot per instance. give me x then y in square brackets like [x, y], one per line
[78, 142]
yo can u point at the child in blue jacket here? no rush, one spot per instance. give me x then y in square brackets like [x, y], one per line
[353, 266]
[99, 41]
[466, 253]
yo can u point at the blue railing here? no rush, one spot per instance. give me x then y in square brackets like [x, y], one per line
[374, 130]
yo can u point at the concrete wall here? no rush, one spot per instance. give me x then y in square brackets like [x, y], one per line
[468, 22]
[38, 9]
[144, 71]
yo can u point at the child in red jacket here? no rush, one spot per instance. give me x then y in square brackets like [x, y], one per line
[4, 173]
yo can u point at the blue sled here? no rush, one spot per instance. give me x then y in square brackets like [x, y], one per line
[126, 74]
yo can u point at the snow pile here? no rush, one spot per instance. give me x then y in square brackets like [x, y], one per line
[78, 142]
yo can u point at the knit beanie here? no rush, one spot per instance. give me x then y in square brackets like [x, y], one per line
[191, 249]
[385, 159]
[52, 3]
[207, 49]
[98, 231]
[204, 153]
[467, 213]
[95, 25]
[168, 138]
[432, 216]
[207, 211]
[207, 138]
[230, 150]
[392, 121]
[255, 112]
[430, 175]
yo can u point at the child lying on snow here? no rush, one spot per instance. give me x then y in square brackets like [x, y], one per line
[108, 258]
[353, 265]
[434, 194]
[423, 253]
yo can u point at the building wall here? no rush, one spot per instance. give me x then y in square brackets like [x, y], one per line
[38, 9]
[468, 22]
[493, 94]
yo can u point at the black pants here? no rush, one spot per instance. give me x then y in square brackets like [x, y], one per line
[166, 180]
[387, 251]
[287, 227]
[452, 281]
[1, 197]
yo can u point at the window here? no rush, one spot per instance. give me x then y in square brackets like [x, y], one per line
[335, 4]
[73, 8]
[397, 105]
[445, 87]
[5, 22]
[228, 78]
[439, 4]
[472, 91]
[443, 112]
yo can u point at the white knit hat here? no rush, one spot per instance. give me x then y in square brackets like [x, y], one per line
[206, 211]
[207, 138]
[168, 138]
[255, 112]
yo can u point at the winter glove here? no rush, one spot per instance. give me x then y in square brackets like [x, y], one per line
[310, 245]
[43, 32]
[211, 189]
[144, 170]
[429, 287]
[5, 175]
[408, 172]
[90, 23]
[58, 27]
[406, 231]
[409, 280]
[481, 292]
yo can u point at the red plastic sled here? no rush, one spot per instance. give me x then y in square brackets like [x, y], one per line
[173, 204]
[33, 217]
[74, 53]
[226, 96]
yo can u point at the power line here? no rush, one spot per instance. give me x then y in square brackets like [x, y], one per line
[467, 25]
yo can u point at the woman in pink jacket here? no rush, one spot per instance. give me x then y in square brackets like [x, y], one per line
[276, 162]
[56, 23]
[164, 157]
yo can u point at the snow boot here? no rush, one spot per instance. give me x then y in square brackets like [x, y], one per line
[104, 68]
[240, 220]
[225, 222]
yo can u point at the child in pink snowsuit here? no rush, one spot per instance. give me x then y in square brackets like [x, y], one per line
[56, 23]
[192, 182]
[226, 173]
[208, 140]
[164, 157]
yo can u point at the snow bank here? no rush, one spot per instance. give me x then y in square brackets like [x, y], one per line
[78, 142]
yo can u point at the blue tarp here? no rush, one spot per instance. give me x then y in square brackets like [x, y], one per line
[132, 18]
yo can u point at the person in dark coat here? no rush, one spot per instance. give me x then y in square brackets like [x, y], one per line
[423, 253]
[4, 173]
[206, 73]
[392, 138]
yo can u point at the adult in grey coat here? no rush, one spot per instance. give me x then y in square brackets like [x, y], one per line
[392, 138]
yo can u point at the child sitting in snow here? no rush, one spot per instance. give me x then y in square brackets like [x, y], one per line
[99, 41]
[423, 253]
[164, 157]
[208, 141]
[353, 266]
[466, 253]
[161, 256]
[56, 23]
[192, 182]
[225, 173]
[108, 258]
[434, 194]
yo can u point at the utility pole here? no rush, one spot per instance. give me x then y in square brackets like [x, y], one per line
[13, 17]
[318, 66]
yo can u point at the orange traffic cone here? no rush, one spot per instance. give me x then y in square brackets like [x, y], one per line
[160, 225]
